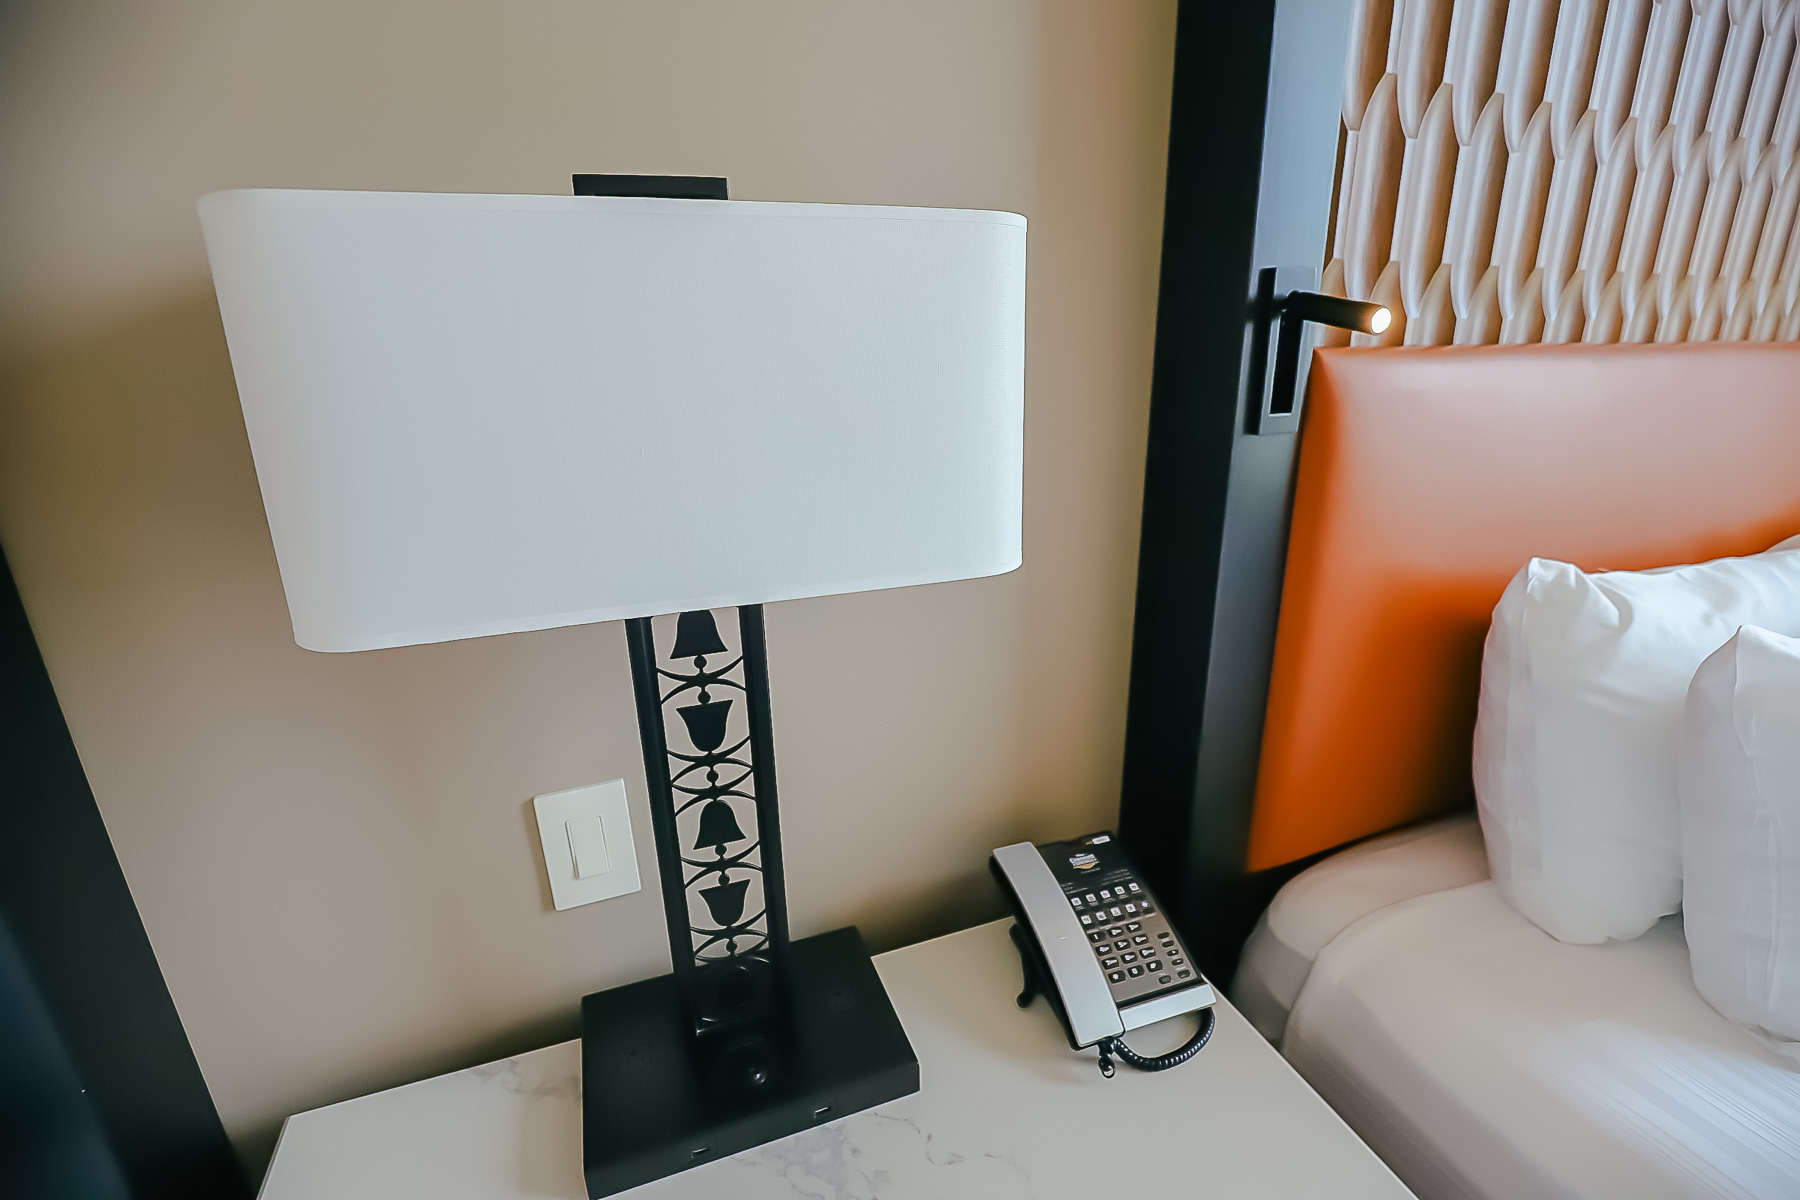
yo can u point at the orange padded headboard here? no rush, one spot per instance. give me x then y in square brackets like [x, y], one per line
[1426, 479]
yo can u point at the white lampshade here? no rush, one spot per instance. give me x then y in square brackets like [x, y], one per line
[482, 414]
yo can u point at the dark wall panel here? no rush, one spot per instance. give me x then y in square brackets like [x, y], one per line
[81, 980]
[1252, 152]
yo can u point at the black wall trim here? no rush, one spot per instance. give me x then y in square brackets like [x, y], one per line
[1252, 152]
[91, 972]
[1221, 55]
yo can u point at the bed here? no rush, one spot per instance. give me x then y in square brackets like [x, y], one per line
[1476, 1054]
[1482, 1058]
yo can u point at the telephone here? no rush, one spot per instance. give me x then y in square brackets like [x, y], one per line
[1099, 947]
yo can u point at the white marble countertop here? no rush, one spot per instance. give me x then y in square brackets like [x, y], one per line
[1006, 1111]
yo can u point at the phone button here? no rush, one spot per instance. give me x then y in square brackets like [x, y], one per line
[1116, 930]
[1106, 893]
[1138, 939]
[1091, 898]
[1183, 974]
[1131, 908]
[1109, 963]
[1134, 972]
[1117, 976]
[1086, 920]
[1153, 966]
[1164, 979]
[1128, 956]
[1132, 886]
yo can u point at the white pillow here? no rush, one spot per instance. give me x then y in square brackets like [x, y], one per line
[1740, 830]
[1582, 685]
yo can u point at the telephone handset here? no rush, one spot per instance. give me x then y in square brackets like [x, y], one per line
[1099, 947]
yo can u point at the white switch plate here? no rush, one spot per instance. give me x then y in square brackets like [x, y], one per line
[595, 823]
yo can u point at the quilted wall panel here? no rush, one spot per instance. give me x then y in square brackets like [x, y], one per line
[1589, 170]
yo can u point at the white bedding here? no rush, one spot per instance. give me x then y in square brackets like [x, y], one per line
[1482, 1058]
[1324, 900]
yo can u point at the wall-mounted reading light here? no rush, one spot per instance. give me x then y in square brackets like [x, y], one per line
[1362, 316]
[1283, 309]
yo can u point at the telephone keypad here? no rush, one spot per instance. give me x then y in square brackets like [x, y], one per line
[1140, 954]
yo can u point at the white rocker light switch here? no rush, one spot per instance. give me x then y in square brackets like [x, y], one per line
[588, 849]
[587, 844]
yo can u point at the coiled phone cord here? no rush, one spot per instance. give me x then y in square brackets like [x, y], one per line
[1115, 1046]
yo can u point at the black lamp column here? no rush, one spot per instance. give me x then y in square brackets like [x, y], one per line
[751, 1037]
[708, 770]
[720, 768]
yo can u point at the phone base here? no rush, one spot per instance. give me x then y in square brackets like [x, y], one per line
[1032, 985]
[656, 1099]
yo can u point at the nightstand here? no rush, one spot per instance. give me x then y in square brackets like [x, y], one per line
[1006, 1110]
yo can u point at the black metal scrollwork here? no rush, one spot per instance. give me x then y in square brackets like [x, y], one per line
[728, 777]
[710, 770]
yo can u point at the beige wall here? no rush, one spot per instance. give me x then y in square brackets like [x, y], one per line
[333, 854]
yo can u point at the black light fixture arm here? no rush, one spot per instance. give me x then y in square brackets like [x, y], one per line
[1362, 316]
[1280, 312]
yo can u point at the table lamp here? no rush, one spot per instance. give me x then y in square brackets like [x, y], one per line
[478, 414]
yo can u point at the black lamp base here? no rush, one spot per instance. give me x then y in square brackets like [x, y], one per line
[656, 1099]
